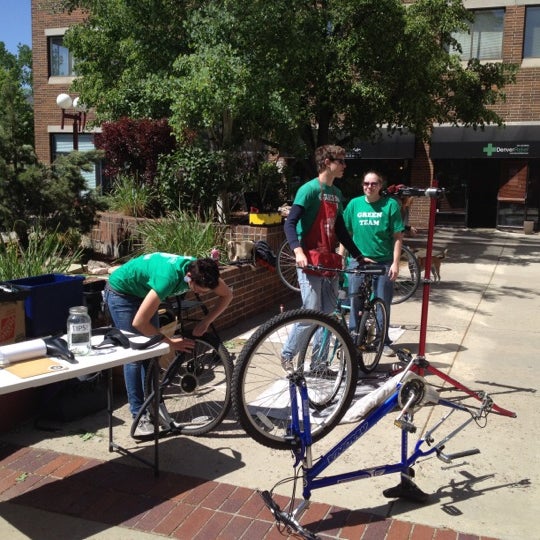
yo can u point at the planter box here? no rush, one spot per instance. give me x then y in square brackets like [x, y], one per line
[265, 219]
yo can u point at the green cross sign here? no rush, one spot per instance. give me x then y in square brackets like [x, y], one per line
[489, 149]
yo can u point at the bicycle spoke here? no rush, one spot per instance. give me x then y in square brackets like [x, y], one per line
[196, 389]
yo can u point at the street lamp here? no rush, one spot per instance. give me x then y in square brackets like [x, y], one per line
[64, 101]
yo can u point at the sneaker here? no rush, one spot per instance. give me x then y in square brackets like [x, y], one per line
[144, 428]
[388, 351]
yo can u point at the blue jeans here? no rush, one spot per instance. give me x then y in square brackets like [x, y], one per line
[122, 309]
[317, 293]
[383, 288]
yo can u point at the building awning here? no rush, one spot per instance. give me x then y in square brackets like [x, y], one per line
[389, 146]
[493, 142]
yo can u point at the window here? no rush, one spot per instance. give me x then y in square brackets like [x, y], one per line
[531, 42]
[62, 143]
[484, 39]
[61, 62]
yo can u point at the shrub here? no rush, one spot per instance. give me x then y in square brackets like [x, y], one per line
[131, 197]
[182, 233]
[134, 146]
[46, 253]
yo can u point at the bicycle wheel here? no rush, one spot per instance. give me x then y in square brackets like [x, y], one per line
[286, 267]
[261, 383]
[323, 365]
[409, 276]
[195, 388]
[370, 335]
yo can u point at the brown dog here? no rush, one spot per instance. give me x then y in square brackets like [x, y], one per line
[436, 261]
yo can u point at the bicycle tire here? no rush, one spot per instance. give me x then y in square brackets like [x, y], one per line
[370, 335]
[261, 397]
[329, 367]
[286, 267]
[408, 279]
[195, 388]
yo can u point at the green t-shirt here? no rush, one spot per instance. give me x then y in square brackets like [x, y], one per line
[309, 197]
[162, 272]
[373, 225]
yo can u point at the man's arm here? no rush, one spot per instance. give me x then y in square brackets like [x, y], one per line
[225, 296]
[345, 239]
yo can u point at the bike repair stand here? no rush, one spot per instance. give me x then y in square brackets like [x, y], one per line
[407, 489]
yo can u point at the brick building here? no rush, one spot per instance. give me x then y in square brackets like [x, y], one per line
[493, 176]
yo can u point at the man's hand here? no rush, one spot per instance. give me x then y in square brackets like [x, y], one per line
[300, 256]
[181, 344]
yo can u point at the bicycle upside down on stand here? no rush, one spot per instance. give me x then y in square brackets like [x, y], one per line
[292, 409]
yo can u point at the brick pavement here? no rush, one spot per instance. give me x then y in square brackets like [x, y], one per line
[175, 505]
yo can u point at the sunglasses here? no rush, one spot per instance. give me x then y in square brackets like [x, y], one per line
[341, 161]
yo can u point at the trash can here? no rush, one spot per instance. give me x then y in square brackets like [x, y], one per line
[47, 304]
[528, 227]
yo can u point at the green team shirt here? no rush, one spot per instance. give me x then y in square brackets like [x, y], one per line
[162, 272]
[373, 225]
[309, 197]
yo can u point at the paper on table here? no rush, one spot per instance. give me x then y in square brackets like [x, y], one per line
[15, 352]
[34, 367]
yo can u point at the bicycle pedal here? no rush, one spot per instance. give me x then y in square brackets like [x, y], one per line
[405, 426]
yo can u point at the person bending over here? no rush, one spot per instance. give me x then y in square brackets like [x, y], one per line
[133, 295]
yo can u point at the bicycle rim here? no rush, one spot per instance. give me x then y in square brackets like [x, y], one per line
[322, 362]
[261, 390]
[371, 333]
[408, 279]
[196, 394]
[286, 267]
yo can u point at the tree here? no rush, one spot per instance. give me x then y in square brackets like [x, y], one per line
[240, 69]
[55, 196]
[285, 71]
[16, 112]
[124, 53]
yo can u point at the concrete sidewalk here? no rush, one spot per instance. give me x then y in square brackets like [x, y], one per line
[483, 329]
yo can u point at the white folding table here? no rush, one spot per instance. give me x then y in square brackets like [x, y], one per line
[98, 360]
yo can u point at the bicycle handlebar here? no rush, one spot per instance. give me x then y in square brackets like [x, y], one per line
[283, 517]
[371, 269]
[409, 191]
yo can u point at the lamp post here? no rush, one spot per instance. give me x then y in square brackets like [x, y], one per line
[64, 101]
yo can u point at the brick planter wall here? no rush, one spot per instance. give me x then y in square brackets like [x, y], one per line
[255, 288]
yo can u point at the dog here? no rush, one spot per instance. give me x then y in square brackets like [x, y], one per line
[436, 261]
[240, 251]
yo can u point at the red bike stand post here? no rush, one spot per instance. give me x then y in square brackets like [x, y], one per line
[427, 274]
[422, 364]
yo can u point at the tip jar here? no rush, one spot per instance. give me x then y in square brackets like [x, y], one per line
[79, 330]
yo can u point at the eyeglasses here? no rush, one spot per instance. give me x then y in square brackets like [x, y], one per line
[371, 184]
[341, 161]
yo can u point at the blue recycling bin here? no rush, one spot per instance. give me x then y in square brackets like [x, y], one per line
[46, 306]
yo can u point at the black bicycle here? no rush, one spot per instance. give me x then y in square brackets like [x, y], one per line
[194, 386]
[405, 285]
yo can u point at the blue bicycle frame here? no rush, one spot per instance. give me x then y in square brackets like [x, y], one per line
[399, 397]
